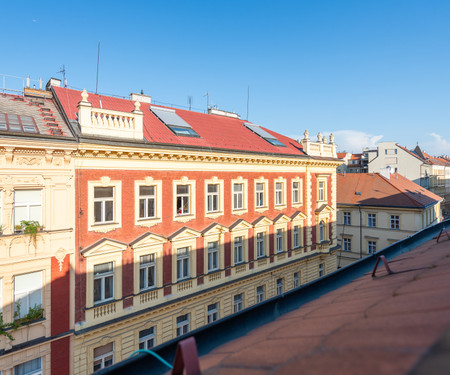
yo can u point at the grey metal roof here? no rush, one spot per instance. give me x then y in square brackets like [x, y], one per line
[169, 117]
[258, 130]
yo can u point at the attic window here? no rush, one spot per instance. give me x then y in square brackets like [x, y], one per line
[174, 122]
[263, 134]
[17, 123]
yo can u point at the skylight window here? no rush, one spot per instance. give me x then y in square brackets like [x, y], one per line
[174, 122]
[17, 123]
[263, 134]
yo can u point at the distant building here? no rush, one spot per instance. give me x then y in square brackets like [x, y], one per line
[375, 211]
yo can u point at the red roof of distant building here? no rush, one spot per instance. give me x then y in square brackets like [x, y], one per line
[375, 190]
[341, 155]
[216, 132]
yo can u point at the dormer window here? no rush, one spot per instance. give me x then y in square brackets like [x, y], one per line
[174, 122]
[263, 134]
[17, 123]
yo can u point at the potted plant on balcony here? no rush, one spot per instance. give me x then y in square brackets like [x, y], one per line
[31, 227]
[18, 228]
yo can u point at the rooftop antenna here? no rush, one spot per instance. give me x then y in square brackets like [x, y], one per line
[98, 61]
[207, 100]
[63, 71]
[190, 101]
[248, 98]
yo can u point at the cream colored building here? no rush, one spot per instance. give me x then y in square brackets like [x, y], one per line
[36, 186]
[374, 212]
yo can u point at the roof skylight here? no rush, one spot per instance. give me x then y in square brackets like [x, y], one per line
[263, 134]
[17, 123]
[174, 122]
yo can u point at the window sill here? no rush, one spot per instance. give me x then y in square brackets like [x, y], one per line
[214, 215]
[183, 217]
[104, 227]
[239, 211]
[148, 222]
[261, 209]
[280, 206]
[297, 205]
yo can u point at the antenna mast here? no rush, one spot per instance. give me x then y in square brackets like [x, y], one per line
[190, 101]
[248, 98]
[207, 100]
[98, 61]
[63, 71]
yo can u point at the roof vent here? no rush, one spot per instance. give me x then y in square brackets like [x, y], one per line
[141, 98]
[357, 193]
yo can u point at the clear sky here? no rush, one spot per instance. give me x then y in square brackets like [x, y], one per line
[368, 71]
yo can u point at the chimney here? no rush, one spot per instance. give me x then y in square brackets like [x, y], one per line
[216, 111]
[53, 82]
[141, 98]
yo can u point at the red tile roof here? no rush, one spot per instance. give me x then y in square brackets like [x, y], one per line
[217, 132]
[378, 191]
[341, 155]
[369, 326]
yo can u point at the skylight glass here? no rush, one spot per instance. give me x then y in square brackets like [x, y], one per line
[263, 134]
[174, 122]
[17, 123]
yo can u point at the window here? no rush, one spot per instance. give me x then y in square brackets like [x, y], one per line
[260, 293]
[321, 270]
[280, 286]
[147, 202]
[296, 279]
[295, 192]
[395, 222]
[27, 206]
[296, 236]
[103, 356]
[16, 123]
[238, 302]
[183, 199]
[279, 240]
[147, 270]
[322, 231]
[259, 194]
[260, 245]
[103, 282]
[103, 205]
[1, 300]
[347, 218]
[213, 198]
[182, 324]
[279, 193]
[147, 338]
[174, 122]
[238, 250]
[371, 247]
[372, 220]
[321, 194]
[238, 196]
[347, 244]
[182, 263]
[27, 293]
[213, 256]
[33, 367]
[213, 312]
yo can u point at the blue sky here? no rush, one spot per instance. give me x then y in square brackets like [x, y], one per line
[367, 71]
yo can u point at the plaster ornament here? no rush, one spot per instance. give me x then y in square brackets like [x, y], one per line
[84, 95]
[137, 105]
[60, 255]
[306, 134]
[319, 137]
[331, 138]
[324, 139]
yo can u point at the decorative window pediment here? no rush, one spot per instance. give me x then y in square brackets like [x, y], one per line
[325, 208]
[298, 216]
[214, 229]
[240, 224]
[148, 239]
[262, 222]
[282, 218]
[184, 233]
[104, 246]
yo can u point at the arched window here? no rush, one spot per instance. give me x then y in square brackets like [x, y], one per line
[322, 231]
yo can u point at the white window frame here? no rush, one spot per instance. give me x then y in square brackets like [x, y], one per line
[190, 196]
[148, 338]
[102, 277]
[183, 323]
[182, 256]
[395, 222]
[279, 188]
[38, 371]
[321, 231]
[321, 269]
[145, 268]
[371, 247]
[244, 195]
[260, 245]
[279, 240]
[347, 244]
[103, 358]
[117, 205]
[238, 249]
[212, 197]
[212, 311]
[24, 294]
[27, 205]
[261, 195]
[214, 201]
[322, 188]
[238, 302]
[213, 256]
[185, 200]
[347, 218]
[297, 191]
[296, 236]
[280, 286]
[103, 201]
[260, 293]
[296, 279]
[146, 199]
[238, 196]
[372, 220]
[149, 220]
